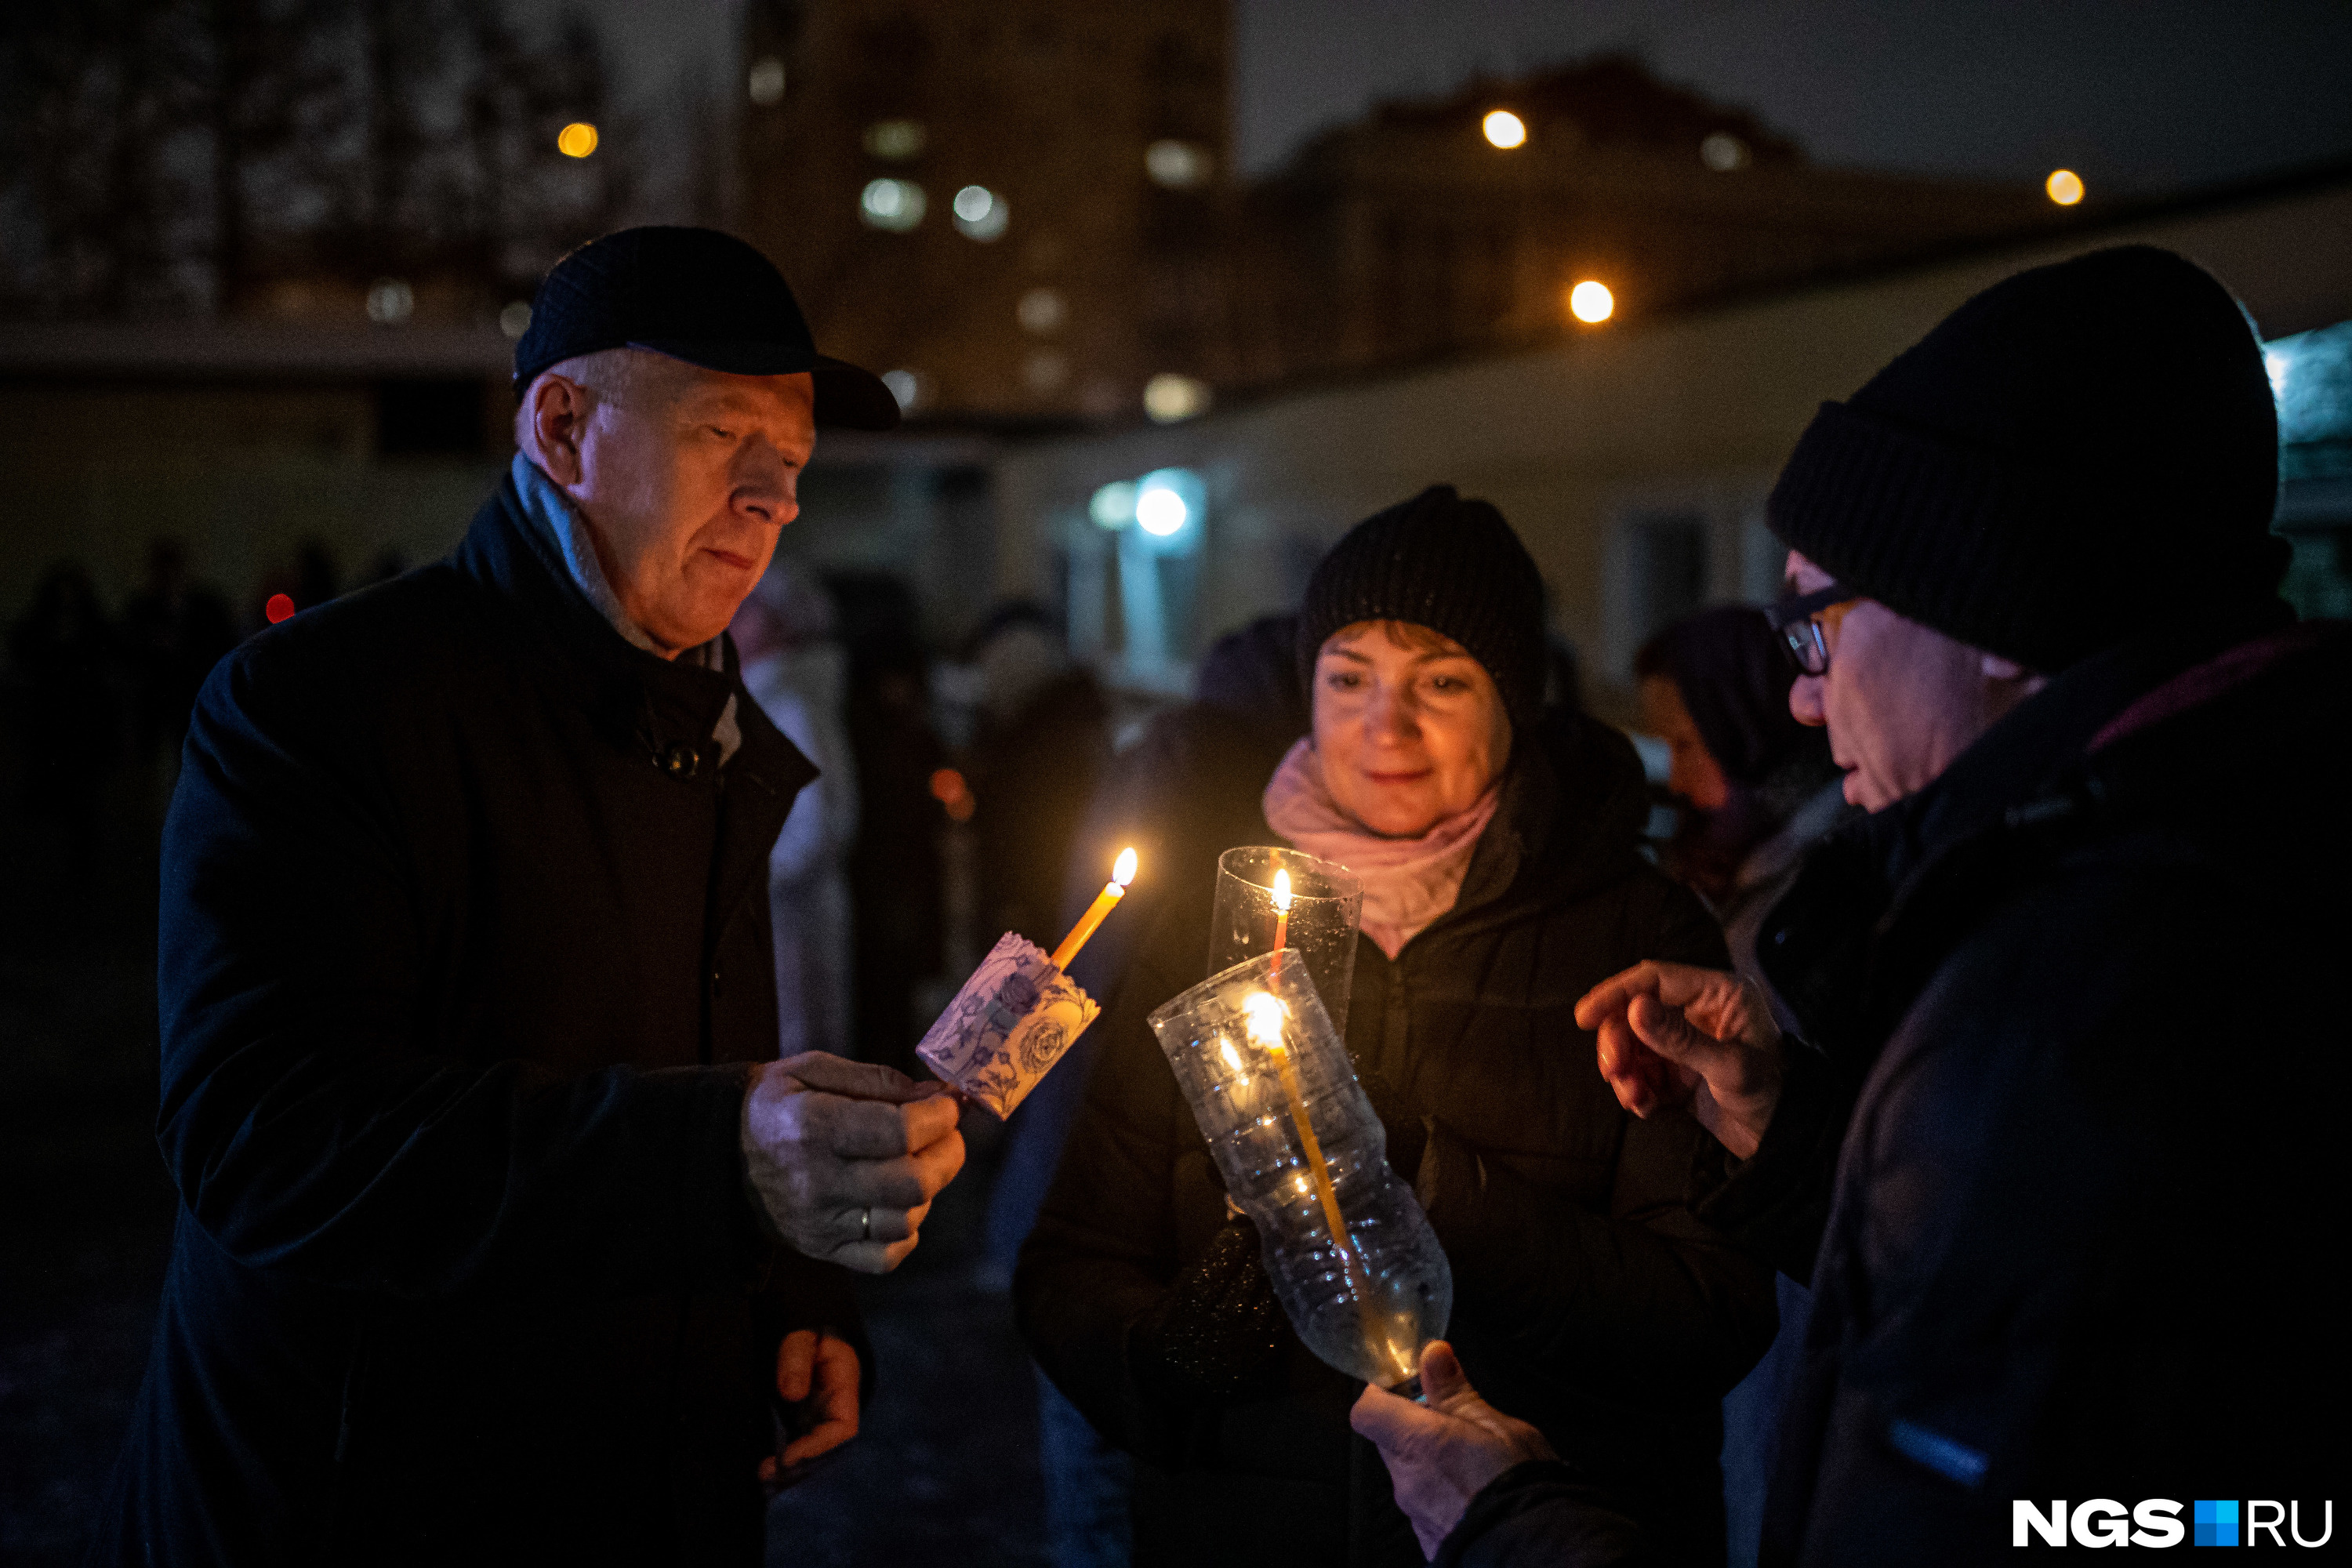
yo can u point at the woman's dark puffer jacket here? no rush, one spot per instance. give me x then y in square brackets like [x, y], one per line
[1586, 1298]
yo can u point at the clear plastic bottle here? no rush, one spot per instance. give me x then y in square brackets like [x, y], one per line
[1351, 1257]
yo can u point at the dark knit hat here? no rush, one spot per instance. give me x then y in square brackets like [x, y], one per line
[1439, 562]
[2079, 453]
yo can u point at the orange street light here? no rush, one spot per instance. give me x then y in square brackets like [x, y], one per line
[576, 140]
[1504, 129]
[1590, 302]
[2064, 185]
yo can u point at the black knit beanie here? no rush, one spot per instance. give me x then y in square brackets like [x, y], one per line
[2078, 454]
[1439, 562]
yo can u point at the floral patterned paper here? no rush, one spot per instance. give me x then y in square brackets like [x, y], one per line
[1008, 1025]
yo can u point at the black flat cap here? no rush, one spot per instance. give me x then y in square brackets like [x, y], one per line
[697, 295]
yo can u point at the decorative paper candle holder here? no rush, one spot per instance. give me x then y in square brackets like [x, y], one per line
[1008, 1025]
[1327, 905]
[1352, 1258]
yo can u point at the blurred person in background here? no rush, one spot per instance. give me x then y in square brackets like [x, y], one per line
[1191, 785]
[1041, 738]
[799, 676]
[1756, 790]
[897, 881]
[69, 713]
[503, 1234]
[2065, 998]
[175, 629]
[1502, 879]
[1755, 787]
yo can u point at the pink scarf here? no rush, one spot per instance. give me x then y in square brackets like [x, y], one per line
[1408, 882]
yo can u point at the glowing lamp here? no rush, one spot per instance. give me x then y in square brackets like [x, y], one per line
[576, 140]
[1591, 302]
[2065, 187]
[1503, 128]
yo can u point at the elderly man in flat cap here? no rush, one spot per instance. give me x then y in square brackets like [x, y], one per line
[501, 1237]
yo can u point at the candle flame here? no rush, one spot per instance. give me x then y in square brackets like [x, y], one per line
[1124, 872]
[1282, 892]
[1265, 1020]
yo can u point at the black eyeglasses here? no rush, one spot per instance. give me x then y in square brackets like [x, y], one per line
[1796, 621]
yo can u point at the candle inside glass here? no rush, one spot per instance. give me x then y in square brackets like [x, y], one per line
[1351, 1257]
[1275, 900]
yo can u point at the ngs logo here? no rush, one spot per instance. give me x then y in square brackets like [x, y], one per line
[2155, 1521]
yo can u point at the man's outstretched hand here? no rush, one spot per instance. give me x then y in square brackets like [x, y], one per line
[817, 1375]
[846, 1156]
[1442, 1454]
[1673, 1035]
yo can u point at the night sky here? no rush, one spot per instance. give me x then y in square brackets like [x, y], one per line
[2138, 96]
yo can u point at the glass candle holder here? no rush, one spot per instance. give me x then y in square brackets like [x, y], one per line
[1327, 906]
[1352, 1258]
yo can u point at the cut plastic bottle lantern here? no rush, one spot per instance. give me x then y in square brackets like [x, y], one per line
[1281, 898]
[1351, 1257]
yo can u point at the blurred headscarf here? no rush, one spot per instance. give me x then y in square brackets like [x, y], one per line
[1735, 681]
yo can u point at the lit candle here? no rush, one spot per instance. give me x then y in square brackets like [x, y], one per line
[1266, 1028]
[1113, 890]
[1282, 911]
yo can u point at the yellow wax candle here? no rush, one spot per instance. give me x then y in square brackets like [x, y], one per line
[1113, 890]
[1282, 913]
[1266, 1027]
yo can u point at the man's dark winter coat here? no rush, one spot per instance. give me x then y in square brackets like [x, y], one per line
[464, 951]
[2080, 1239]
[1587, 1298]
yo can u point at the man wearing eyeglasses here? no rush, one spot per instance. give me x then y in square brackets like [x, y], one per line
[2056, 1145]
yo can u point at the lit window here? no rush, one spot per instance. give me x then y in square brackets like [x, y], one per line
[894, 204]
[1113, 506]
[894, 140]
[1591, 302]
[576, 140]
[390, 301]
[1178, 165]
[766, 82]
[1723, 153]
[515, 320]
[2064, 185]
[979, 213]
[911, 387]
[1041, 310]
[1045, 371]
[1504, 129]
[1169, 398]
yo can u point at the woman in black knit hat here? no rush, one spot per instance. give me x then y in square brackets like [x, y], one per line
[1498, 845]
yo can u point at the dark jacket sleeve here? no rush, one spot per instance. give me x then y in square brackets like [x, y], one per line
[1544, 1515]
[1776, 1203]
[1643, 1302]
[315, 1108]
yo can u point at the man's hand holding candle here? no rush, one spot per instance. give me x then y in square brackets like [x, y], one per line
[1671, 1035]
[846, 1157]
[1444, 1452]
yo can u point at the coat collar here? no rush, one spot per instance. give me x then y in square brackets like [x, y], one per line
[1825, 946]
[665, 712]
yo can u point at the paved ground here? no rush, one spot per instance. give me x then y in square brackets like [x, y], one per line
[944, 1472]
